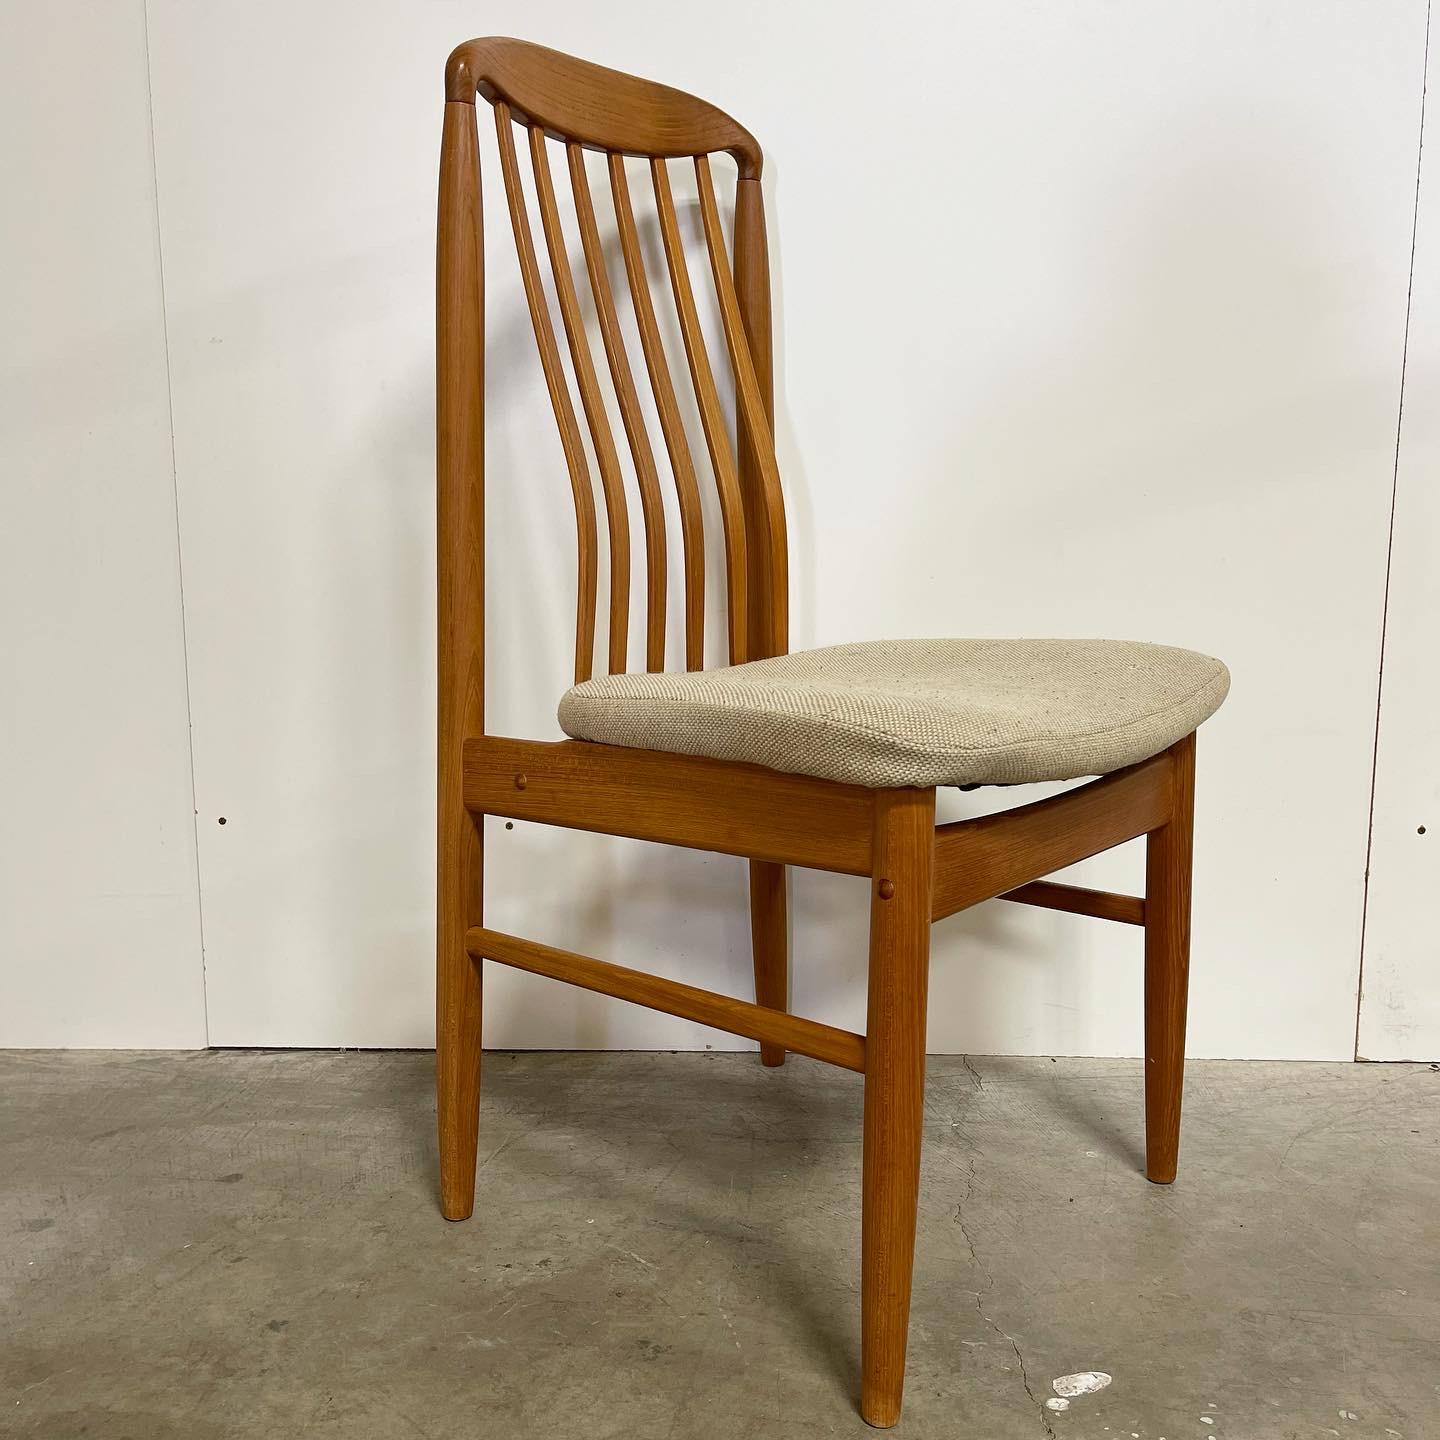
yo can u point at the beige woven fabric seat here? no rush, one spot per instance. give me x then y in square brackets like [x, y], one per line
[917, 712]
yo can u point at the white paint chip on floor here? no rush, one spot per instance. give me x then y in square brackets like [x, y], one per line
[1083, 1382]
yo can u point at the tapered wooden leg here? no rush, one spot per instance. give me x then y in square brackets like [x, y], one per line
[1167, 969]
[457, 1012]
[894, 1088]
[770, 945]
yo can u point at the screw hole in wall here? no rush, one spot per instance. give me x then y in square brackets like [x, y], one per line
[222, 820]
[1420, 830]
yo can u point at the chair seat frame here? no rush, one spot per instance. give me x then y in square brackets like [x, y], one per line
[918, 872]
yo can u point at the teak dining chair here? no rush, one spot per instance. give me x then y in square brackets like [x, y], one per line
[828, 758]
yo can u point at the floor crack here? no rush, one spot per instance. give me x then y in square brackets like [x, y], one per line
[974, 1073]
[990, 1286]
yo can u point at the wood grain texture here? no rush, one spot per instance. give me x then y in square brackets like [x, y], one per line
[758, 476]
[979, 859]
[677, 799]
[672, 427]
[1168, 855]
[603, 109]
[900, 902]
[705, 1007]
[647, 477]
[587, 543]
[770, 945]
[1102, 904]
[712, 418]
[460, 525]
[617, 514]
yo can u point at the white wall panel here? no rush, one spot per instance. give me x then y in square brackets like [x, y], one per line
[1400, 1007]
[1100, 334]
[99, 925]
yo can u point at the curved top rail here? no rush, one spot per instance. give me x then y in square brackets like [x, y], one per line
[599, 108]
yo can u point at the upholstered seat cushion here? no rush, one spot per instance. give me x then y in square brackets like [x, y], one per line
[917, 712]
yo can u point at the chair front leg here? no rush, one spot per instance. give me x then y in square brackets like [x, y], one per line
[769, 945]
[900, 903]
[457, 1007]
[1168, 853]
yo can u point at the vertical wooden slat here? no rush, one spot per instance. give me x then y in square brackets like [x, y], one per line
[687, 488]
[460, 572]
[616, 511]
[646, 476]
[712, 419]
[745, 314]
[559, 399]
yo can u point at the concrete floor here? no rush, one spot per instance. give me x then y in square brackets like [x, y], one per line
[247, 1244]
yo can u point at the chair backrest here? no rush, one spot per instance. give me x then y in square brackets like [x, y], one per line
[587, 107]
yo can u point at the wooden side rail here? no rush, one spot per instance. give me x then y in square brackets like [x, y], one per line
[1103, 904]
[979, 859]
[676, 799]
[738, 1017]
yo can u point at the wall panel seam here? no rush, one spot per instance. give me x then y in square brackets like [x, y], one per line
[175, 507]
[1390, 537]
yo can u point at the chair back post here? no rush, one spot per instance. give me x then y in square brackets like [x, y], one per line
[769, 579]
[460, 572]
[460, 443]
[460, 431]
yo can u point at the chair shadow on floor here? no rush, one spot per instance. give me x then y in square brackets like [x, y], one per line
[608, 1148]
[568, 1126]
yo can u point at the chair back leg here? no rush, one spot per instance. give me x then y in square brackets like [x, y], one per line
[457, 1008]
[1168, 853]
[900, 905]
[460, 645]
[770, 945]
